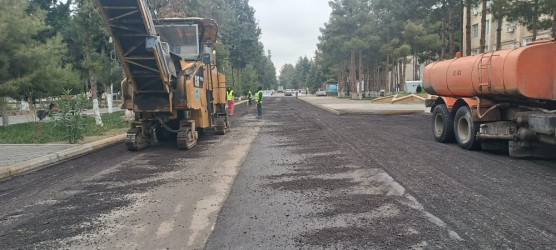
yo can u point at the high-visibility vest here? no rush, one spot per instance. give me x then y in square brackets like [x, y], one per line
[230, 95]
[249, 94]
[259, 96]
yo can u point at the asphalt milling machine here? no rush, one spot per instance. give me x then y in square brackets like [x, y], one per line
[172, 83]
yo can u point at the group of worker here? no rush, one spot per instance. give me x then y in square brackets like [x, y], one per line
[258, 101]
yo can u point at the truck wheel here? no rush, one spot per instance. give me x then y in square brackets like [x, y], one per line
[465, 129]
[442, 124]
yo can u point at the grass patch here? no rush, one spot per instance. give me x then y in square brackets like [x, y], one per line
[46, 132]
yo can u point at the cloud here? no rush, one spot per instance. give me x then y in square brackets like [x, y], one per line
[290, 28]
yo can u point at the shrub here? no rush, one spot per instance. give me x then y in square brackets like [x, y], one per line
[70, 121]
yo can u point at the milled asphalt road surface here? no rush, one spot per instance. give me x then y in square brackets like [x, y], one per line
[314, 180]
[306, 179]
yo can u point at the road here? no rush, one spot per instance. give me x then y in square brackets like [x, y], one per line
[299, 178]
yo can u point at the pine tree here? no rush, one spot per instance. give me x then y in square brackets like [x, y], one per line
[92, 36]
[31, 67]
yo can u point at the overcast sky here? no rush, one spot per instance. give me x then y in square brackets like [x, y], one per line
[290, 28]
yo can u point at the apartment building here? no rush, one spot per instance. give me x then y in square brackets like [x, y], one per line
[513, 34]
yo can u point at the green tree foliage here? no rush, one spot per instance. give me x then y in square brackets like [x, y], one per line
[58, 16]
[536, 15]
[302, 68]
[315, 77]
[249, 80]
[287, 76]
[385, 37]
[31, 66]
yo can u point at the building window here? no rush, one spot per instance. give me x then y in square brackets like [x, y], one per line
[475, 30]
[487, 26]
[526, 41]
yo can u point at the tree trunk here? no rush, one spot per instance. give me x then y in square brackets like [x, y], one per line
[404, 67]
[467, 27]
[396, 76]
[3, 111]
[377, 79]
[499, 20]
[387, 71]
[414, 65]
[443, 38]
[341, 80]
[352, 77]
[96, 109]
[361, 75]
[451, 32]
[483, 27]
[400, 76]
[535, 20]
[109, 98]
[368, 77]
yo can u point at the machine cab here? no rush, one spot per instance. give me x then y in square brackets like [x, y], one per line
[190, 38]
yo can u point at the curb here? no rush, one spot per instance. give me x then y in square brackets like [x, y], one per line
[51, 159]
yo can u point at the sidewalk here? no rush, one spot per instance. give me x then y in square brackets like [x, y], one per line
[16, 159]
[361, 107]
[22, 158]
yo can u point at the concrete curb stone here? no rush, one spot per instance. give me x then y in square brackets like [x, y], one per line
[51, 159]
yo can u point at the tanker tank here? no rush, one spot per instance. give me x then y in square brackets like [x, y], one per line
[523, 73]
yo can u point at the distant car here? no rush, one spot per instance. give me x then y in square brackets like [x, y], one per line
[320, 92]
[288, 92]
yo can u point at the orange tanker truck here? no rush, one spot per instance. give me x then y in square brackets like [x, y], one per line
[502, 98]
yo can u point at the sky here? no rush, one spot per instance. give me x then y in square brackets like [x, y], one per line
[290, 28]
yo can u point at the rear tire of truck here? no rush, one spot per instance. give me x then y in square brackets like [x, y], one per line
[442, 124]
[466, 130]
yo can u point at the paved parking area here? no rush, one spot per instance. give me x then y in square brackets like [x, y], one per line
[347, 106]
